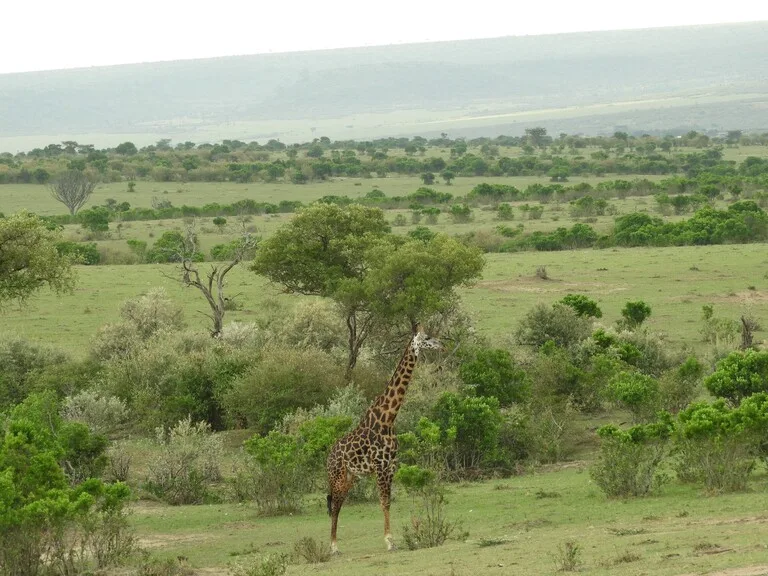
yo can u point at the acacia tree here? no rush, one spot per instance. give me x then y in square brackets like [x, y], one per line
[29, 259]
[72, 188]
[349, 255]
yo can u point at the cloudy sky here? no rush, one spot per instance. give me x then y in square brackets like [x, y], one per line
[52, 34]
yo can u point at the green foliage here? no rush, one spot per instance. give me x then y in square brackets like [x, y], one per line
[95, 219]
[186, 463]
[679, 387]
[279, 473]
[268, 565]
[583, 305]
[739, 375]
[629, 460]
[461, 213]
[634, 314]
[29, 259]
[469, 427]
[635, 392]
[80, 252]
[492, 372]
[283, 380]
[505, 212]
[429, 527]
[717, 445]
[237, 248]
[21, 362]
[45, 522]
[172, 246]
[559, 323]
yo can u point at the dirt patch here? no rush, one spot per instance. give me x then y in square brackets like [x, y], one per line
[537, 286]
[761, 570]
[165, 540]
[743, 297]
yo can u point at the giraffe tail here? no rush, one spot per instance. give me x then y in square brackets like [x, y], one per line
[328, 499]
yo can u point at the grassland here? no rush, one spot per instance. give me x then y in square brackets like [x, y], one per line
[514, 526]
[675, 282]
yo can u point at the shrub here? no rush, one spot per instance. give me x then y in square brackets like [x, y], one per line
[717, 445]
[629, 460]
[582, 305]
[312, 324]
[634, 314]
[679, 387]
[269, 565]
[283, 380]
[279, 473]
[152, 312]
[460, 213]
[429, 527]
[20, 361]
[312, 551]
[469, 429]
[114, 341]
[739, 375]
[635, 392]
[186, 463]
[82, 253]
[46, 524]
[504, 212]
[558, 323]
[492, 372]
[102, 414]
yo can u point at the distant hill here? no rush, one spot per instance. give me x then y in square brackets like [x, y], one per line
[699, 77]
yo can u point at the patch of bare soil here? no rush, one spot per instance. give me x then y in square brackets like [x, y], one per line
[743, 297]
[761, 570]
[538, 286]
[163, 540]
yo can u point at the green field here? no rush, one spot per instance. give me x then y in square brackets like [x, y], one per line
[675, 282]
[514, 526]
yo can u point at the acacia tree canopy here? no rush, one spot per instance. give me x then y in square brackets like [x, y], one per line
[29, 259]
[349, 255]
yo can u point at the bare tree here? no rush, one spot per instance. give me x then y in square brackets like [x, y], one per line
[213, 285]
[72, 188]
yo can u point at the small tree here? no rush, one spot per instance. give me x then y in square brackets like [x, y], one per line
[220, 223]
[212, 287]
[634, 314]
[72, 188]
[582, 305]
[448, 176]
[428, 178]
[29, 259]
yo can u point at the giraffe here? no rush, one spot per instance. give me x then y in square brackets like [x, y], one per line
[371, 448]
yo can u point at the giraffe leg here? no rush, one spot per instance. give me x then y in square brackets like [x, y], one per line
[384, 482]
[339, 490]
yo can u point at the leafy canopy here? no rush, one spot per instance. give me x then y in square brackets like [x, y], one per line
[29, 259]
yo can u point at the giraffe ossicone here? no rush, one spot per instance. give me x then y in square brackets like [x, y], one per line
[371, 448]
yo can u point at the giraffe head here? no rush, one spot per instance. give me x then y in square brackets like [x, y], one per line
[422, 341]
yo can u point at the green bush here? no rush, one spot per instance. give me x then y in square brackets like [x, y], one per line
[429, 526]
[49, 522]
[492, 372]
[279, 473]
[635, 392]
[634, 314]
[582, 305]
[469, 431]
[680, 386]
[629, 460]
[172, 246]
[80, 252]
[717, 445]
[283, 380]
[558, 323]
[185, 463]
[739, 375]
[20, 362]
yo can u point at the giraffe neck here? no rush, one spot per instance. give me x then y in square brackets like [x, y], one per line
[388, 404]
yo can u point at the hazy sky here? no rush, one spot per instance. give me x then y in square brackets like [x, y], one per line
[51, 34]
